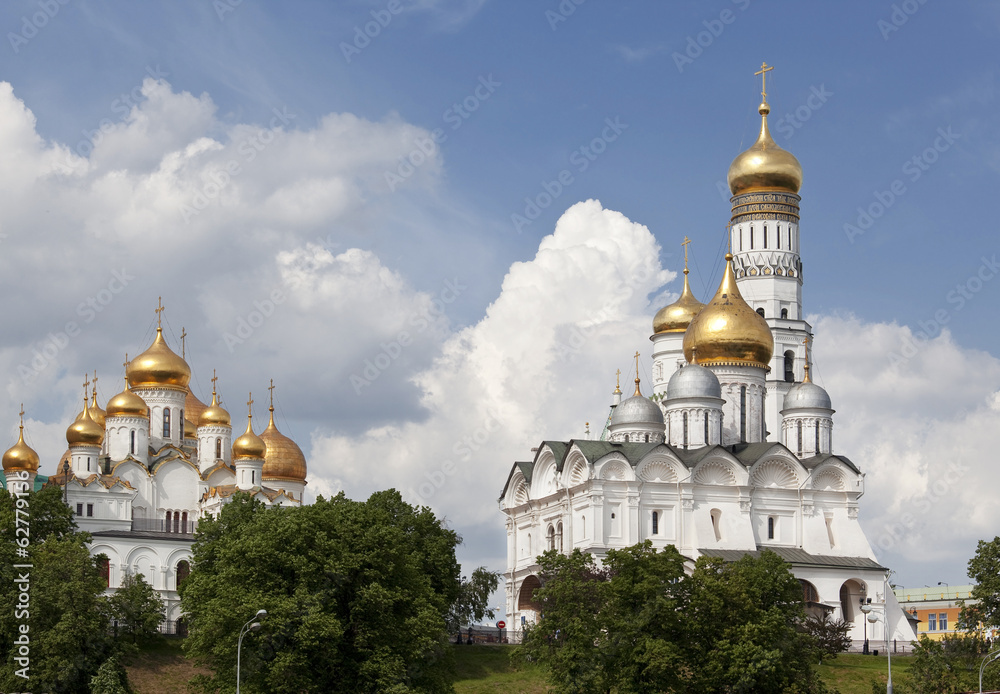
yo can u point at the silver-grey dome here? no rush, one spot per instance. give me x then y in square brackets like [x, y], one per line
[693, 381]
[807, 395]
[637, 410]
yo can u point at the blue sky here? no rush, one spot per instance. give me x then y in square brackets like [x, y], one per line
[869, 86]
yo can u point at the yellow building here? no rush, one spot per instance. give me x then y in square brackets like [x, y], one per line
[937, 608]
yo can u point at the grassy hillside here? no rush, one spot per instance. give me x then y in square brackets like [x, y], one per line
[486, 669]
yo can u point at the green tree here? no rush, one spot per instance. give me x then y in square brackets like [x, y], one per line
[570, 636]
[68, 617]
[831, 635]
[111, 678]
[984, 570]
[137, 609]
[472, 603]
[357, 594]
[641, 624]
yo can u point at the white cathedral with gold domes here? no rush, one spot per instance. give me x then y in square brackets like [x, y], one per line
[140, 474]
[733, 452]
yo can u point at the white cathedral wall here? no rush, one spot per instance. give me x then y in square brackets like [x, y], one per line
[137, 476]
[158, 399]
[732, 379]
[118, 437]
[175, 486]
[668, 350]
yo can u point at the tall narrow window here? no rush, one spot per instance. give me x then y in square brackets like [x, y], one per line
[218, 448]
[131, 442]
[656, 523]
[770, 527]
[559, 536]
[829, 530]
[784, 313]
[743, 413]
[685, 430]
[180, 426]
[166, 422]
[751, 238]
[647, 438]
[177, 521]
[104, 564]
[183, 571]
[716, 515]
[817, 438]
[932, 622]
[741, 239]
[798, 425]
[184, 522]
[765, 236]
[90, 510]
[551, 538]
[789, 363]
[706, 428]
[777, 231]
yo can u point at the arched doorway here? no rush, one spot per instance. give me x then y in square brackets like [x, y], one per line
[851, 593]
[526, 603]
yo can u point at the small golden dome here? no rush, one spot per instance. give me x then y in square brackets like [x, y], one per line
[85, 431]
[284, 459]
[214, 415]
[96, 413]
[193, 407]
[676, 317]
[765, 166]
[159, 367]
[20, 456]
[728, 331]
[127, 404]
[248, 445]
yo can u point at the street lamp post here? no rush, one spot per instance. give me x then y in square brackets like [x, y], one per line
[252, 625]
[864, 649]
[874, 617]
[986, 661]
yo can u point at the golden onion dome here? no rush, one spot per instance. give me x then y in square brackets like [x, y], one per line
[127, 404]
[67, 457]
[20, 456]
[284, 459]
[159, 367]
[765, 166]
[84, 431]
[214, 414]
[96, 413]
[249, 445]
[728, 331]
[190, 429]
[676, 317]
[193, 407]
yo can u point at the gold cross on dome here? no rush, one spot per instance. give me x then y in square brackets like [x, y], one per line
[684, 244]
[183, 344]
[21, 413]
[95, 383]
[250, 403]
[158, 311]
[125, 364]
[618, 378]
[214, 379]
[764, 69]
[86, 386]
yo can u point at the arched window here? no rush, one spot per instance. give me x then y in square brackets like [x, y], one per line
[770, 527]
[104, 566]
[551, 538]
[559, 536]
[166, 422]
[716, 515]
[790, 366]
[180, 425]
[743, 414]
[784, 313]
[706, 428]
[760, 311]
[626, 438]
[131, 442]
[656, 523]
[184, 522]
[751, 238]
[218, 448]
[183, 571]
[685, 444]
[647, 438]
[777, 232]
[798, 426]
[177, 521]
[817, 438]
[765, 236]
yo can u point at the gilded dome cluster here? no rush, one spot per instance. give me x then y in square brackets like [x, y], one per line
[676, 317]
[84, 431]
